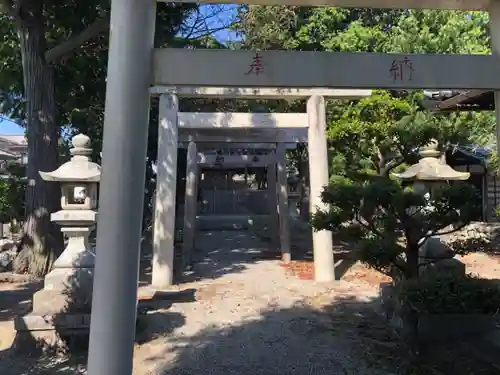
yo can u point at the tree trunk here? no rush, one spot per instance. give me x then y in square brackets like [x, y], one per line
[412, 260]
[410, 317]
[41, 242]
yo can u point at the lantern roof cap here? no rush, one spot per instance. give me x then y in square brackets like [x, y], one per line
[431, 168]
[79, 168]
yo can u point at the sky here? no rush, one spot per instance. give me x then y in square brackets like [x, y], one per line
[10, 128]
[216, 16]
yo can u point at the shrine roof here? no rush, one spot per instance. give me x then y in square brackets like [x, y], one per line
[471, 154]
[5, 155]
[462, 100]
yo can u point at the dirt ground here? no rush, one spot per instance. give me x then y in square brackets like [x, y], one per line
[487, 266]
[245, 315]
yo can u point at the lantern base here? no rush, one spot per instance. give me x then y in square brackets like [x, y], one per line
[60, 319]
[58, 322]
[74, 283]
[450, 266]
[437, 257]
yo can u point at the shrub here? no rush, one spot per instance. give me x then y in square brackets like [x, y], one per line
[387, 221]
[447, 294]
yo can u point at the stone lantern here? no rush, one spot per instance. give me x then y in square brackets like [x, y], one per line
[68, 286]
[79, 180]
[430, 169]
[426, 175]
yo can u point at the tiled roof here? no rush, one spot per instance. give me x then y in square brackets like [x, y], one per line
[14, 138]
[4, 155]
[454, 100]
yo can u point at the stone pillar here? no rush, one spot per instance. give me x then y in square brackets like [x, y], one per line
[166, 182]
[190, 204]
[293, 201]
[494, 15]
[272, 200]
[121, 198]
[283, 203]
[63, 306]
[324, 265]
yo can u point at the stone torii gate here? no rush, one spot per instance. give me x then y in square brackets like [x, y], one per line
[132, 63]
[171, 121]
[249, 155]
[216, 162]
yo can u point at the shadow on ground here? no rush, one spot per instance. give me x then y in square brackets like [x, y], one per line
[29, 356]
[346, 338]
[154, 319]
[344, 262]
[219, 253]
[314, 337]
[16, 294]
[302, 247]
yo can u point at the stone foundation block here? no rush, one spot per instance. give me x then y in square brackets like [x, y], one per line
[58, 332]
[434, 328]
[449, 266]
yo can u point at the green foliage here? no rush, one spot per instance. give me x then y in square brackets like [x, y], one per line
[439, 31]
[362, 132]
[4, 201]
[447, 294]
[81, 74]
[54, 60]
[368, 30]
[375, 136]
[12, 190]
[383, 131]
[387, 221]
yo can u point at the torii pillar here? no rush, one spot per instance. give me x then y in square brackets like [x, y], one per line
[284, 213]
[324, 265]
[272, 202]
[190, 205]
[165, 199]
[114, 304]
[494, 15]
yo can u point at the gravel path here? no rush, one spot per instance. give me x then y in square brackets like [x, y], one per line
[249, 317]
[242, 316]
[245, 316]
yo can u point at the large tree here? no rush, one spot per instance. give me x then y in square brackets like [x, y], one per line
[53, 57]
[358, 130]
[356, 29]
[374, 133]
[352, 124]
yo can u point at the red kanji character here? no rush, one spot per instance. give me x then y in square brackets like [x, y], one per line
[256, 67]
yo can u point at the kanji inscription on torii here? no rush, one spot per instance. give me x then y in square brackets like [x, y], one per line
[257, 66]
[401, 70]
